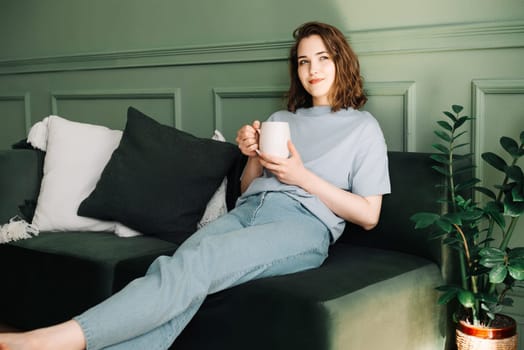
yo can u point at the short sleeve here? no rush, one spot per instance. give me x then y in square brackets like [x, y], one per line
[370, 174]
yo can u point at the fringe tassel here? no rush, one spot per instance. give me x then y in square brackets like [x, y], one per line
[17, 229]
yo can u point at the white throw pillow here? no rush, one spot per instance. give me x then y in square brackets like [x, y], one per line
[76, 154]
[217, 205]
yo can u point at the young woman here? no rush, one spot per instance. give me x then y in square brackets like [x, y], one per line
[290, 211]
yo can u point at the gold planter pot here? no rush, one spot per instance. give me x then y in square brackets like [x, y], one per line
[470, 337]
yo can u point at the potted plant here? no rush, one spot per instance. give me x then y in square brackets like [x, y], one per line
[479, 233]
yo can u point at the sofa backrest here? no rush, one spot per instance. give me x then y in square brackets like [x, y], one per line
[20, 176]
[413, 189]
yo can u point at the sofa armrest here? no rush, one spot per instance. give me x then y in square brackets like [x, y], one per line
[20, 176]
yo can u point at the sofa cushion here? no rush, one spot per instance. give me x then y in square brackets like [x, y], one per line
[357, 292]
[59, 275]
[159, 179]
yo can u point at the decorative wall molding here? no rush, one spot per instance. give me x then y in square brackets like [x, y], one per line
[429, 38]
[406, 90]
[445, 37]
[172, 94]
[242, 92]
[481, 88]
[25, 98]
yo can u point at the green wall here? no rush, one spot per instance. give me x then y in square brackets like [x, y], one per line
[206, 64]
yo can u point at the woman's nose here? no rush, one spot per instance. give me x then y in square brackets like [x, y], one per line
[313, 68]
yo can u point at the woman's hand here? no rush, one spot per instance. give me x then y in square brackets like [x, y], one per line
[247, 139]
[289, 170]
[363, 211]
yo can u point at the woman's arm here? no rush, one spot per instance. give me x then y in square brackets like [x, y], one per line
[362, 211]
[252, 170]
[247, 140]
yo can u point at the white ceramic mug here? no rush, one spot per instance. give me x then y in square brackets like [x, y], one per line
[274, 137]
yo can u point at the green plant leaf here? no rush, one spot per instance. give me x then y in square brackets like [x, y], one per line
[443, 135]
[440, 158]
[466, 298]
[486, 192]
[491, 257]
[498, 273]
[447, 296]
[460, 145]
[450, 116]
[518, 193]
[492, 252]
[516, 271]
[514, 172]
[455, 137]
[522, 137]
[437, 234]
[516, 253]
[513, 208]
[453, 242]
[471, 215]
[453, 218]
[442, 170]
[463, 156]
[461, 121]
[490, 262]
[463, 169]
[495, 210]
[466, 185]
[495, 161]
[423, 220]
[457, 108]
[445, 125]
[440, 148]
[511, 146]
[444, 225]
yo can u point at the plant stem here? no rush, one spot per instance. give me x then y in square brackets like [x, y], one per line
[474, 282]
[466, 246]
[450, 170]
[509, 232]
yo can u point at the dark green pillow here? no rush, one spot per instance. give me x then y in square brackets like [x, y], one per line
[159, 179]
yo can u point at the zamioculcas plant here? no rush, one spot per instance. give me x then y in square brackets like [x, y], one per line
[481, 234]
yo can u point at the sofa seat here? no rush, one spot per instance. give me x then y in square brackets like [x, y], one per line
[71, 271]
[326, 308]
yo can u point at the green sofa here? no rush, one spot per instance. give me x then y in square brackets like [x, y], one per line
[376, 290]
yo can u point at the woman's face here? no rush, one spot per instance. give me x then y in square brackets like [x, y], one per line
[316, 69]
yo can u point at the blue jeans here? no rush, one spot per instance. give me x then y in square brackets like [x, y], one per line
[270, 234]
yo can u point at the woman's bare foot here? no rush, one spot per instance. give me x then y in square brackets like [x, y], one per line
[17, 341]
[65, 336]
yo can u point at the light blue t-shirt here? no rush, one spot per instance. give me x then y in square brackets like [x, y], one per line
[346, 148]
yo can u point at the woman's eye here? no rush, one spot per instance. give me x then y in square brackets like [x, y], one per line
[301, 62]
[323, 58]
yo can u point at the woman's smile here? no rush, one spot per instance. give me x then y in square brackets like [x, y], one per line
[315, 81]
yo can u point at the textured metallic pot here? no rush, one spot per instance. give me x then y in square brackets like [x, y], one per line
[503, 337]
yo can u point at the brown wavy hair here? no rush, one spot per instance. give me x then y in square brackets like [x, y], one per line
[347, 90]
